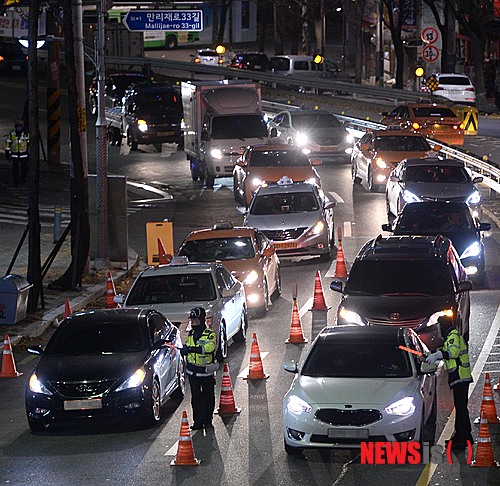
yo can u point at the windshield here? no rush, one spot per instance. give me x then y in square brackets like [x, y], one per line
[168, 289]
[278, 158]
[434, 220]
[455, 80]
[434, 111]
[294, 202]
[158, 101]
[98, 337]
[320, 120]
[399, 277]
[239, 126]
[401, 144]
[218, 249]
[356, 360]
[437, 173]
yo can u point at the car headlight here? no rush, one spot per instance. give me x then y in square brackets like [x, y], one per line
[351, 317]
[256, 182]
[317, 229]
[135, 380]
[251, 278]
[474, 198]
[349, 138]
[403, 407]
[36, 386]
[216, 153]
[473, 250]
[381, 164]
[433, 320]
[301, 138]
[142, 125]
[409, 197]
[297, 406]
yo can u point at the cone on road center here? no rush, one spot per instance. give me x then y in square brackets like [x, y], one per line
[185, 451]
[67, 308]
[256, 370]
[340, 266]
[319, 303]
[226, 403]
[488, 403]
[296, 334]
[484, 449]
[110, 293]
[8, 364]
[164, 258]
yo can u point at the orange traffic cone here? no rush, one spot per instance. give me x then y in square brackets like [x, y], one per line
[185, 451]
[296, 334]
[488, 403]
[340, 266]
[8, 364]
[67, 308]
[110, 293]
[226, 403]
[319, 303]
[164, 258]
[256, 371]
[484, 449]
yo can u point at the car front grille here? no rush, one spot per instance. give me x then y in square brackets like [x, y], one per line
[81, 389]
[284, 234]
[324, 439]
[357, 418]
[448, 199]
[411, 323]
[329, 140]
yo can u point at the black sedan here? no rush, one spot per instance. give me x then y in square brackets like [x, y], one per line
[104, 364]
[454, 220]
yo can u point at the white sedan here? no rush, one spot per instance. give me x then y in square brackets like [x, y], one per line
[357, 385]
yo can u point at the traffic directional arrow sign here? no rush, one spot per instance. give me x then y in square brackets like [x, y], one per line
[145, 20]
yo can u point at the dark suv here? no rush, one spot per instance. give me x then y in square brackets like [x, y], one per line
[255, 61]
[406, 281]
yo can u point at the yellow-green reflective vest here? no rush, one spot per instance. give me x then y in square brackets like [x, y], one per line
[456, 359]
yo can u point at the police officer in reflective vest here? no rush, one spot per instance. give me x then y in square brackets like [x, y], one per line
[16, 151]
[456, 361]
[199, 351]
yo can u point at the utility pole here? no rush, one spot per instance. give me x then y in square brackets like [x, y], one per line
[379, 53]
[102, 259]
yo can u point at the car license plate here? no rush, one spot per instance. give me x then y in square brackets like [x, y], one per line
[348, 433]
[257, 66]
[90, 404]
[285, 246]
[165, 134]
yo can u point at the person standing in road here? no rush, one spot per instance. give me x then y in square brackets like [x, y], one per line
[199, 351]
[16, 151]
[455, 355]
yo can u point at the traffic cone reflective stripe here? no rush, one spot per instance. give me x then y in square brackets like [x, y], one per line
[185, 451]
[110, 293]
[67, 308]
[296, 334]
[164, 258]
[226, 403]
[319, 297]
[340, 266]
[8, 364]
[256, 370]
[484, 449]
[488, 403]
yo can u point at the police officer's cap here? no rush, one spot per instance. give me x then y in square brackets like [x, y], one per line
[198, 312]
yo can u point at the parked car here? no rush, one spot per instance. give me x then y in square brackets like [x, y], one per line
[13, 58]
[246, 253]
[357, 385]
[254, 61]
[430, 179]
[318, 132]
[406, 281]
[456, 221]
[105, 364]
[176, 288]
[429, 119]
[265, 164]
[297, 218]
[378, 152]
[456, 87]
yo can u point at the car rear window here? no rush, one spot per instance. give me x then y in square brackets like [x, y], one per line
[401, 144]
[356, 360]
[224, 249]
[278, 64]
[320, 120]
[426, 112]
[456, 80]
[278, 158]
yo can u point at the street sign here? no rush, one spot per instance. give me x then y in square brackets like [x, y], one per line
[145, 20]
[430, 53]
[430, 35]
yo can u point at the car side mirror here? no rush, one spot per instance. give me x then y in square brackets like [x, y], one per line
[240, 163]
[464, 286]
[274, 133]
[394, 179]
[269, 251]
[477, 180]
[387, 227]
[330, 205]
[227, 293]
[484, 226]
[242, 210]
[336, 286]
[437, 148]
[290, 366]
[119, 299]
[316, 162]
[365, 146]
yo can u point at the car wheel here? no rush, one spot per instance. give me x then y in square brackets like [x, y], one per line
[277, 291]
[241, 335]
[354, 174]
[262, 310]
[37, 425]
[221, 353]
[171, 42]
[180, 389]
[152, 415]
[131, 142]
[292, 451]
[116, 137]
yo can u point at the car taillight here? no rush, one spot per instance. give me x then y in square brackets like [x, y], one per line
[2, 58]
[462, 126]
[439, 88]
[197, 59]
[470, 89]
[415, 125]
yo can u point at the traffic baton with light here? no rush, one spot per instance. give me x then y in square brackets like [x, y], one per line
[412, 351]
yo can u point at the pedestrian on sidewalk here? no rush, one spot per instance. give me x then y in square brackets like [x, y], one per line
[455, 355]
[16, 151]
[199, 351]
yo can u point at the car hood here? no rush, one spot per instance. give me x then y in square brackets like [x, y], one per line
[273, 174]
[338, 392]
[240, 268]
[438, 190]
[94, 367]
[155, 117]
[283, 221]
[382, 307]
[398, 156]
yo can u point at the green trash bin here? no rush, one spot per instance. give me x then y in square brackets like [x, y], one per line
[14, 291]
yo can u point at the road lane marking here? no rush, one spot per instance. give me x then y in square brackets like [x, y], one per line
[337, 197]
[347, 229]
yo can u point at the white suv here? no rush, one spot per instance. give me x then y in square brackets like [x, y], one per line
[457, 88]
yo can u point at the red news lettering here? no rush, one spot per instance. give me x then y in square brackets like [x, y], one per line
[380, 453]
[390, 453]
[414, 455]
[367, 452]
[396, 452]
